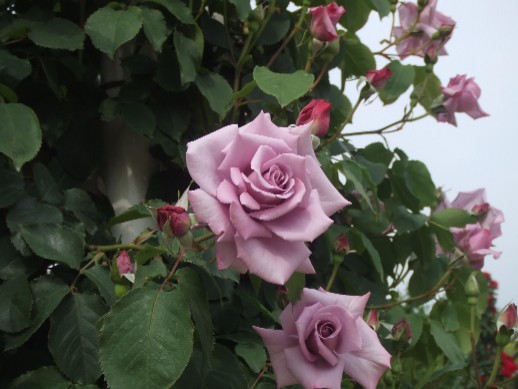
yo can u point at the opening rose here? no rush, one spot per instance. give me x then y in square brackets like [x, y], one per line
[263, 193]
[324, 335]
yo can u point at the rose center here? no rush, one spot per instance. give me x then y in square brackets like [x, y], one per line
[275, 176]
[325, 330]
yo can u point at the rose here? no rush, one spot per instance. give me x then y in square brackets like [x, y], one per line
[324, 20]
[461, 95]
[378, 78]
[263, 193]
[124, 265]
[418, 31]
[324, 335]
[475, 242]
[317, 112]
[173, 219]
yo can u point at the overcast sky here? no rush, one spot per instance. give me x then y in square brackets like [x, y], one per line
[477, 153]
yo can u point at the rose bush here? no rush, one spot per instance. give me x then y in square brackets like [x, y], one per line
[263, 194]
[324, 335]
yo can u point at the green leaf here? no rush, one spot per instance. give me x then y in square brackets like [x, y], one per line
[81, 205]
[427, 87]
[295, 285]
[189, 50]
[381, 6]
[278, 27]
[31, 211]
[138, 211]
[100, 276]
[253, 354]
[55, 242]
[139, 117]
[156, 326]
[15, 304]
[358, 175]
[12, 263]
[14, 67]
[57, 33]
[425, 276]
[147, 252]
[42, 378]
[243, 9]
[356, 15]
[423, 244]
[13, 187]
[401, 79]
[20, 133]
[48, 291]
[446, 343]
[406, 221]
[361, 242]
[192, 287]
[216, 90]
[452, 217]
[155, 27]
[419, 181]
[284, 87]
[154, 269]
[358, 58]
[46, 185]
[176, 8]
[74, 338]
[109, 29]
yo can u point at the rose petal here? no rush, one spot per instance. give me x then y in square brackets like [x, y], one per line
[354, 304]
[209, 210]
[263, 125]
[204, 156]
[284, 207]
[226, 193]
[245, 226]
[302, 325]
[306, 267]
[249, 202]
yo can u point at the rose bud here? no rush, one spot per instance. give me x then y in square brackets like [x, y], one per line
[173, 220]
[507, 317]
[401, 331]
[124, 265]
[378, 78]
[342, 244]
[324, 20]
[318, 112]
[373, 320]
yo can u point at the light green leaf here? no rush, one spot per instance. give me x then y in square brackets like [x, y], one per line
[15, 304]
[356, 15]
[13, 187]
[109, 29]
[284, 87]
[100, 276]
[155, 27]
[55, 242]
[401, 79]
[48, 291]
[216, 90]
[57, 33]
[20, 133]
[427, 87]
[176, 8]
[146, 339]
[42, 378]
[74, 338]
[452, 217]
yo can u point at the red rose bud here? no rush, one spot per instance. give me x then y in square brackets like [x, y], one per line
[124, 265]
[373, 320]
[402, 331]
[507, 318]
[173, 220]
[378, 78]
[342, 244]
[317, 111]
[324, 20]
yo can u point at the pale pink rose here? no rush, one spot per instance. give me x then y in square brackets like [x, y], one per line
[124, 264]
[324, 20]
[318, 113]
[475, 242]
[461, 95]
[324, 335]
[508, 317]
[432, 28]
[378, 78]
[488, 216]
[263, 193]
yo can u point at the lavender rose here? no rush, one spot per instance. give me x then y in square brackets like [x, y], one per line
[324, 335]
[263, 193]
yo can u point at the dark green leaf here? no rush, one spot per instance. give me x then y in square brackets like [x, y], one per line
[189, 50]
[55, 242]
[381, 6]
[446, 343]
[154, 269]
[420, 183]
[46, 185]
[42, 378]
[358, 175]
[406, 221]
[57, 33]
[13, 66]
[361, 242]
[427, 87]
[425, 277]
[79, 203]
[156, 326]
[358, 58]
[216, 90]
[356, 15]
[48, 291]
[15, 304]
[155, 27]
[243, 8]
[277, 28]
[196, 296]
[402, 77]
[74, 338]
[109, 29]
[423, 244]
[295, 285]
[100, 276]
[176, 8]
[139, 117]
[30, 211]
[147, 252]
[253, 354]
[12, 263]
[138, 211]
[284, 87]
[13, 187]
[20, 133]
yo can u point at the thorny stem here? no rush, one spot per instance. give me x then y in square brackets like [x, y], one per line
[113, 247]
[179, 259]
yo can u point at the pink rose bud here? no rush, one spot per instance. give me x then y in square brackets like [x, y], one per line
[342, 244]
[378, 78]
[373, 320]
[124, 264]
[461, 95]
[508, 317]
[317, 111]
[173, 220]
[402, 331]
[324, 20]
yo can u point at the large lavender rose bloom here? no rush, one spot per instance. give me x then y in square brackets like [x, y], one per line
[263, 193]
[324, 335]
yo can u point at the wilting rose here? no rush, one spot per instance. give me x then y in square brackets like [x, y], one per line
[124, 264]
[378, 78]
[324, 20]
[428, 30]
[475, 242]
[263, 193]
[461, 95]
[173, 219]
[318, 113]
[324, 335]
[508, 317]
